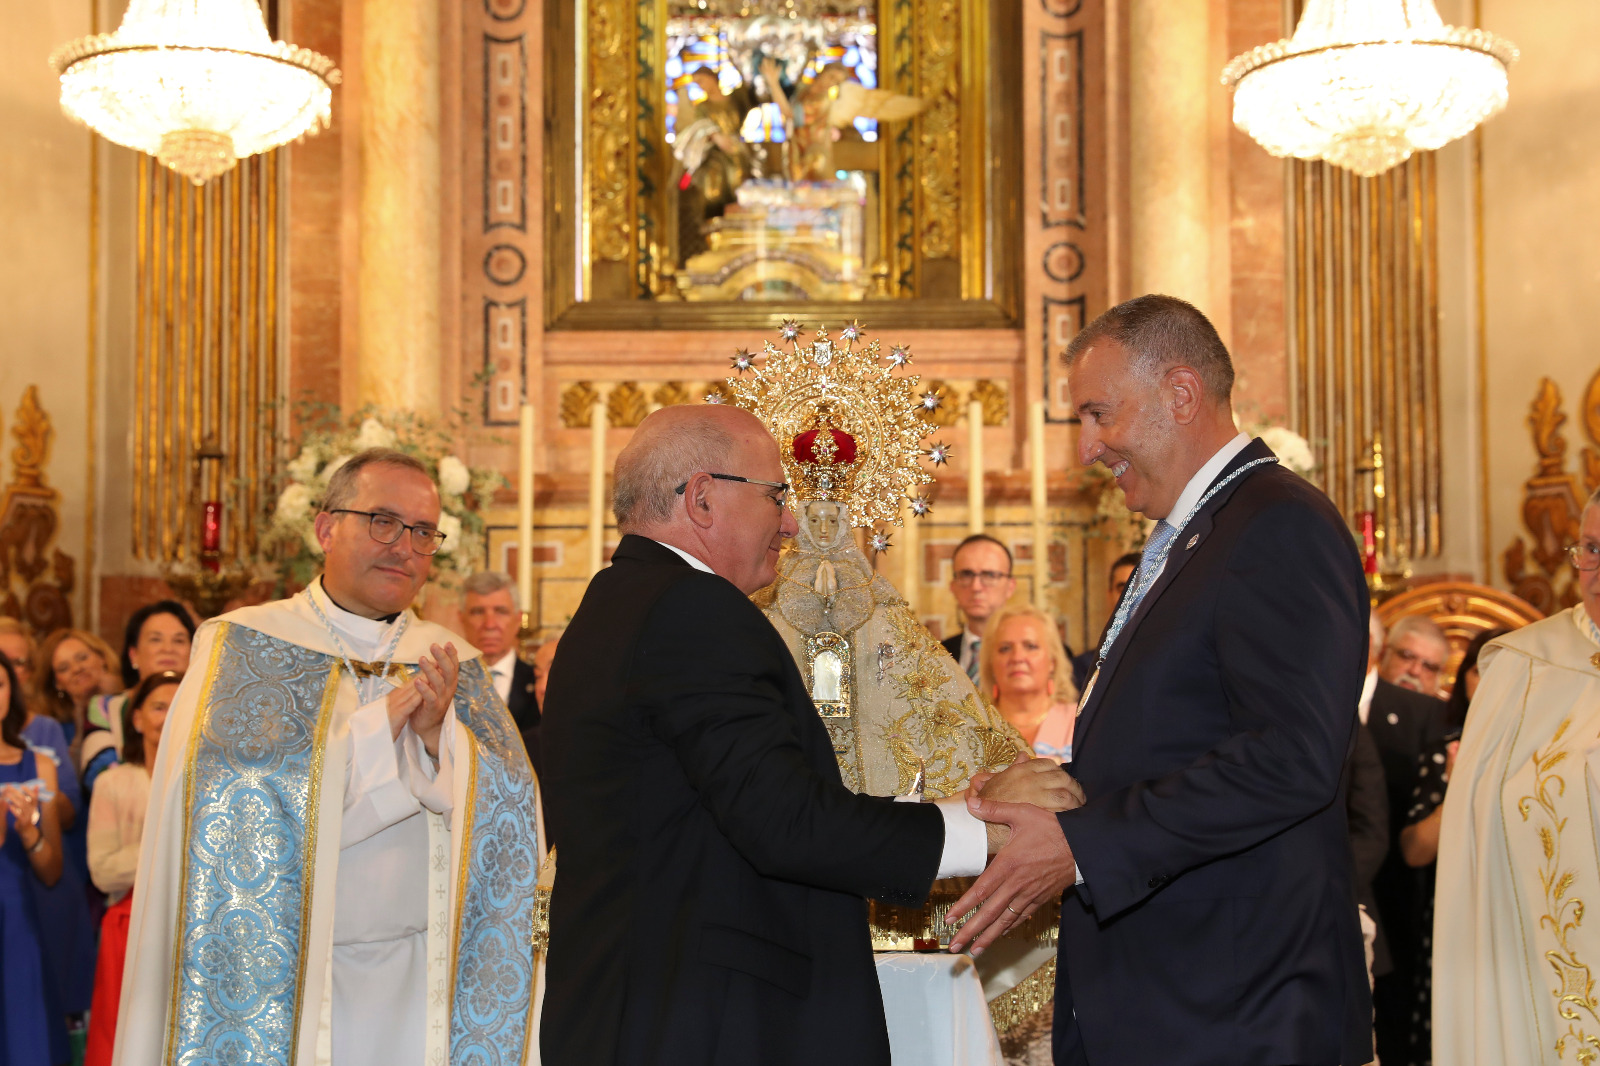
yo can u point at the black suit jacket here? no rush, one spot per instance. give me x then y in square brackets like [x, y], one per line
[1368, 810]
[1402, 723]
[1217, 922]
[709, 904]
[525, 710]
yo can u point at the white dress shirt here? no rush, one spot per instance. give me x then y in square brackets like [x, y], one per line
[500, 675]
[1368, 687]
[966, 842]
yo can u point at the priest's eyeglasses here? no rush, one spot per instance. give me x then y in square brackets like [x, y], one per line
[386, 529]
[1584, 556]
[780, 498]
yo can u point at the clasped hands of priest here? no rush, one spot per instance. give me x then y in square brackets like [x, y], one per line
[424, 701]
[1032, 865]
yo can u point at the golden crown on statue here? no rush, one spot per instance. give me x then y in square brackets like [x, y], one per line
[848, 423]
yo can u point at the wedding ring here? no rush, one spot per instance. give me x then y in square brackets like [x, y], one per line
[1017, 913]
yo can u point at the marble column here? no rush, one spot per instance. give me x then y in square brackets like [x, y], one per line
[1171, 85]
[400, 271]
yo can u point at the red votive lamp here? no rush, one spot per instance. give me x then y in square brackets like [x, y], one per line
[211, 535]
[1369, 542]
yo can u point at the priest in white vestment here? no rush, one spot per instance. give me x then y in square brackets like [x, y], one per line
[342, 845]
[1516, 937]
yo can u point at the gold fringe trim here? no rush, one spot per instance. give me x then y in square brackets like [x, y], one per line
[1032, 994]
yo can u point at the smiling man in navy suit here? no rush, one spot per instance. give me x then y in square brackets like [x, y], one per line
[1209, 915]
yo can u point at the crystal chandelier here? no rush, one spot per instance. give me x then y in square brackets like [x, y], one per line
[199, 84]
[1365, 83]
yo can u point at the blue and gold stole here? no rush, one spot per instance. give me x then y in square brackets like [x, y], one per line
[253, 774]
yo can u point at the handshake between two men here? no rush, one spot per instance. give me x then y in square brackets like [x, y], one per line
[1032, 864]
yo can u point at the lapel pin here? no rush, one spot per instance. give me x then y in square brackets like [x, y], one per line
[1192, 542]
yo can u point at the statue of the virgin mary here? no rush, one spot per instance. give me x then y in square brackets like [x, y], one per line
[904, 718]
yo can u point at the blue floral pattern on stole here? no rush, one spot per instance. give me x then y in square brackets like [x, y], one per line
[494, 957]
[253, 774]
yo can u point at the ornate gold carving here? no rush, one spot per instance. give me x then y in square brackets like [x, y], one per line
[1023, 1003]
[1552, 504]
[626, 405]
[609, 142]
[577, 403]
[939, 135]
[1563, 912]
[36, 577]
[671, 394]
[948, 413]
[996, 401]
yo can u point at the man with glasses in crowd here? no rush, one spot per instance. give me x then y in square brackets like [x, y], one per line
[306, 852]
[981, 581]
[1404, 716]
[1512, 983]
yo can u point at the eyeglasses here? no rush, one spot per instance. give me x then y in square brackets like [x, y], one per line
[987, 577]
[1584, 556]
[1411, 658]
[386, 529]
[781, 499]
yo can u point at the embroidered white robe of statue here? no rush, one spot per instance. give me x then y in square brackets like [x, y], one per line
[300, 891]
[1516, 937]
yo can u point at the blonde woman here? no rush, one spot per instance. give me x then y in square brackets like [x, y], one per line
[1023, 668]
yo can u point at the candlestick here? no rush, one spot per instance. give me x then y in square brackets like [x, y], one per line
[597, 485]
[975, 467]
[525, 510]
[1041, 544]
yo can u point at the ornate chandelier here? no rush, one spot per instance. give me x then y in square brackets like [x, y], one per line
[1365, 83]
[199, 84]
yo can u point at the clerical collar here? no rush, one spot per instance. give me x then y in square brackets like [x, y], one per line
[387, 619]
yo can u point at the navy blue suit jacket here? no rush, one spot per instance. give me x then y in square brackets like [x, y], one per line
[1217, 922]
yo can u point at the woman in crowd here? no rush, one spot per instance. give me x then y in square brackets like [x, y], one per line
[116, 824]
[31, 1030]
[155, 641]
[1024, 670]
[1419, 840]
[71, 669]
[18, 645]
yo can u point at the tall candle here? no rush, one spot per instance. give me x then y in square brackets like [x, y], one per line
[525, 510]
[597, 485]
[975, 466]
[1041, 543]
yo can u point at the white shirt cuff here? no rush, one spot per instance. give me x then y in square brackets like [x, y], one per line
[375, 796]
[966, 840]
[432, 787]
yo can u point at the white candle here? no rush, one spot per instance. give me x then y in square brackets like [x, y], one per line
[911, 576]
[975, 466]
[597, 485]
[1041, 543]
[525, 510]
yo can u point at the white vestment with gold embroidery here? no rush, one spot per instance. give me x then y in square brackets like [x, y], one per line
[369, 969]
[1515, 949]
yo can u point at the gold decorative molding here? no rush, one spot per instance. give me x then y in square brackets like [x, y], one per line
[626, 405]
[1552, 504]
[577, 401]
[36, 577]
[1363, 329]
[995, 399]
[608, 138]
[939, 136]
[671, 394]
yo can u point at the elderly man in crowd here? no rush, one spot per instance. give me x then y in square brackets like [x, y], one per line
[1404, 717]
[491, 617]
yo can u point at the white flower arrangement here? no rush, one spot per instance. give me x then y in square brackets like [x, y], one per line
[1292, 450]
[328, 443]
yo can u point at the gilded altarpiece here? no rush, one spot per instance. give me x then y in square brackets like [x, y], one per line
[712, 165]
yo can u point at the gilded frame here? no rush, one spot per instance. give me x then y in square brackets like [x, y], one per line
[955, 237]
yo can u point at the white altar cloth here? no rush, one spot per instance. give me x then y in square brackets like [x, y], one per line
[936, 1010]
